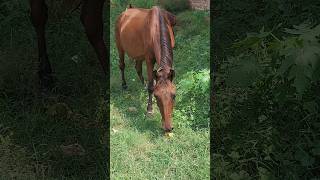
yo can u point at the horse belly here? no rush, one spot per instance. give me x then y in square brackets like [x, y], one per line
[132, 45]
[132, 34]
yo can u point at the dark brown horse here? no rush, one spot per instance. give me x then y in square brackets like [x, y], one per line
[147, 34]
[92, 20]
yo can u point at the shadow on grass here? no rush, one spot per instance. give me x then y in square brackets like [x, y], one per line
[41, 127]
[135, 96]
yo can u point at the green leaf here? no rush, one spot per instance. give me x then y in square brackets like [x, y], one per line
[286, 64]
[311, 106]
[316, 151]
[308, 55]
[301, 75]
[239, 176]
[300, 29]
[234, 155]
[265, 174]
[301, 83]
[304, 158]
[262, 118]
[245, 73]
[316, 148]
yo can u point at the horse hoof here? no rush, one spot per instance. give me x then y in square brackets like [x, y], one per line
[44, 91]
[47, 83]
[124, 87]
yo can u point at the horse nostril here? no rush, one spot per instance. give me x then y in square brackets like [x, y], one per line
[168, 130]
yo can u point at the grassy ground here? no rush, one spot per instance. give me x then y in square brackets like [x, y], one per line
[138, 147]
[35, 130]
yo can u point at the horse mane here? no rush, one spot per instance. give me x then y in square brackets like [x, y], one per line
[165, 43]
[166, 54]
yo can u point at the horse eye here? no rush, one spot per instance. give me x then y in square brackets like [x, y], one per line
[173, 96]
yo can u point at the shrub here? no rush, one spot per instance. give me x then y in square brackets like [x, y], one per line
[193, 100]
[135, 3]
[271, 94]
[175, 5]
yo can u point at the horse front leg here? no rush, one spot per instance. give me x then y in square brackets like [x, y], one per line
[92, 20]
[39, 16]
[150, 63]
[138, 67]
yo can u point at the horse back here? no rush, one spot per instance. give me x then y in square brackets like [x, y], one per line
[131, 32]
[137, 32]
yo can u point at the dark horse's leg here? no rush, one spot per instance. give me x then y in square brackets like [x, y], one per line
[39, 18]
[139, 70]
[150, 63]
[92, 20]
[122, 66]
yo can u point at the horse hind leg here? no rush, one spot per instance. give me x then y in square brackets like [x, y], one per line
[122, 67]
[121, 59]
[139, 70]
[92, 20]
[39, 18]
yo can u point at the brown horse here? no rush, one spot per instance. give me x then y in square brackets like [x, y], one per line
[92, 20]
[147, 34]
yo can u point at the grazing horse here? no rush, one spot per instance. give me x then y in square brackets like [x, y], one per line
[147, 34]
[92, 20]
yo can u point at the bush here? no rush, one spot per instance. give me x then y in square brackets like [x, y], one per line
[175, 5]
[193, 100]
[269, 104]
[135, 3]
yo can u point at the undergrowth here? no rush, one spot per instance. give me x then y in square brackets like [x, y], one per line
[266, 117]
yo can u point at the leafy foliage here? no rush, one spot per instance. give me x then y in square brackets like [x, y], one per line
[192, 100]
[266, 116]
[294, 60]
[175, 6]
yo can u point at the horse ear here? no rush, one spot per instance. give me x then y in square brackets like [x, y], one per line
[172, 74]
[171, 17]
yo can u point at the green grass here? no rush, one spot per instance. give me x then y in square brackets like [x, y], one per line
[138, 148]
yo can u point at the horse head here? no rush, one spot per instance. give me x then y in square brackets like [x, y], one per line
[165, 93]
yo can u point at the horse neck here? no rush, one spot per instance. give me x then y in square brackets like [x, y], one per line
[166, 55]
[165, 44]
